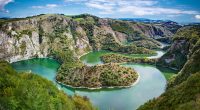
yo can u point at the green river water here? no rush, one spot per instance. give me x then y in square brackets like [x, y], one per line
[151, 84]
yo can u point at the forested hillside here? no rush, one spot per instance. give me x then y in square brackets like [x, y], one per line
[26, 91]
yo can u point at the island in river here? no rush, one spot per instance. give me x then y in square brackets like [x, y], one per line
[99, 76]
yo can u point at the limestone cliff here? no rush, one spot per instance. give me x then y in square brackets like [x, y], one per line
[47, 35]
[38, 36]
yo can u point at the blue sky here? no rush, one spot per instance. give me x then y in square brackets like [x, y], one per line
[176, 10]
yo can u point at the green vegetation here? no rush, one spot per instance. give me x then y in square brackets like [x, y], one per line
[183, 42]
[60, 24]
[98, 76]
[84, 16]
[62, 51]
[19, 34]
[147, 43]
[182, 97]
[134, 36]
[192, 66]
[116, 58]
[8, 20]
[88, 23]
[190, 33]
[26, 32]
[167, 72]
[124, 27]
[108, 42]
[183, 90]
[3, 21]
[114, 75]
[133, 49]
[16, 92]
[79, 19]
[26, 91]
[72, 71]
[23, 47]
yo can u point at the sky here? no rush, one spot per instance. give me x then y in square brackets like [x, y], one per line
[176, 10]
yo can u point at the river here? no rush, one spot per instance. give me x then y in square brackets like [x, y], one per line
[151, 84]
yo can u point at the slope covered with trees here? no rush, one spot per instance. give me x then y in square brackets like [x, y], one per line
[26, 91]
[185, 41]
[183, 90]
[107, 75]
[117, 58]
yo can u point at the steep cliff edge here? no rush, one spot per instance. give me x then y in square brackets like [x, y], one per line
[183, 90]
[39, 36]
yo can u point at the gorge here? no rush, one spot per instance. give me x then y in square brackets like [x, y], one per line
[71, 51]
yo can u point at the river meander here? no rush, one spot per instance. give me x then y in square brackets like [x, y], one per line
[151, 84]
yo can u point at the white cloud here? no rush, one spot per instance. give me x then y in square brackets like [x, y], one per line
[51, 5]
[141, 11]
[137, 2]
[197, 17]
[134, 7]
[47, 6]
[3, 3]
[107, 8]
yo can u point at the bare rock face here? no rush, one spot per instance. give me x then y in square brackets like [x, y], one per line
[25, 47]
[34, 37]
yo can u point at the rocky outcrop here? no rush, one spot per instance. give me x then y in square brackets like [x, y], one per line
[25, 47]
[37, 36]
